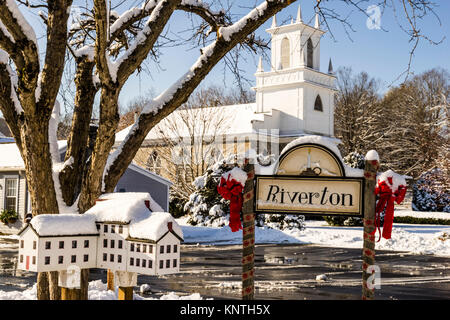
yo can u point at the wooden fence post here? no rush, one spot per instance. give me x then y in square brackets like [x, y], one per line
[368, 255]
[248, 234]
[126, 281]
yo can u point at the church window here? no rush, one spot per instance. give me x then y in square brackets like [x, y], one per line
[309, 55]
[154, 163]
[318, 104]
[285, 53]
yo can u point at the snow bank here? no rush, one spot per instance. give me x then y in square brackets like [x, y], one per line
[97, 290]
[64, 224]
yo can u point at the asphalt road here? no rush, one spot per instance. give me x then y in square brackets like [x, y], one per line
[282, 272]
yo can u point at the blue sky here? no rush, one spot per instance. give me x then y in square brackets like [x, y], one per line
[383, 53]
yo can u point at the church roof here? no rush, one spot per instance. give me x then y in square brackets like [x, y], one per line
[230, 120]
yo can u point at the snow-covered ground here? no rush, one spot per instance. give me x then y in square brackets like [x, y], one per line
[413, 238]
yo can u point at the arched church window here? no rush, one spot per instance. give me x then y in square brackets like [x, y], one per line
[309, 53]
[154, 162]
[318, 104]
[285, 53]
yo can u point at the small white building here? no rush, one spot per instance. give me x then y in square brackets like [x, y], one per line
[127, 232]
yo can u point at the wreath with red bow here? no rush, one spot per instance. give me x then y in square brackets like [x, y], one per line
[386, 198]
[231, 189]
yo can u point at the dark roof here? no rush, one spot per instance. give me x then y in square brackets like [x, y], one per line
[4, 129]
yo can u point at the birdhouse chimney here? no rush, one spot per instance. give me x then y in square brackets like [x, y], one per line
[169, 226]
[147, 204]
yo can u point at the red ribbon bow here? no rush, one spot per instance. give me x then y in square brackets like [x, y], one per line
[231, 190]
[386, 200]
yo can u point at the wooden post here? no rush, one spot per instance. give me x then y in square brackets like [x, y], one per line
[126, 282]
[368, 255]
[248, 234]
[70, 294]
[125, 293]
[110, 280]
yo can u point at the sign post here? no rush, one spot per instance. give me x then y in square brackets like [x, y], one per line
[368, 256]
[248, 234]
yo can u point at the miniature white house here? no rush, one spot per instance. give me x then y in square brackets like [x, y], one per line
[123, 232]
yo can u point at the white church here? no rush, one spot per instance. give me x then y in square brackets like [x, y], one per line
[293, 98]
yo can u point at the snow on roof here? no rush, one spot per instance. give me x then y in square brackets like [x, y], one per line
[64, 224]
[129, 207]
[234, 119]
[11, 157]
[154, 227]
[123, 207]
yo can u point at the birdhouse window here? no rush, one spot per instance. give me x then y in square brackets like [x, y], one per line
[138, 248]
[34, 245]
[33, 260]
[174, 263]
[150, 249]
[105, 243]
[86, 243]
[98, 226]
[175, 248]
[144, 263]
[168, 248]
[120, 229]
[318, 104]
[119, 258]
[138, 262]
[105, 257]
[48, 245]
[113, 229]
[86, 258]
[21, 258]
[161, 264]
[61, 244]
[74, 244]
[111, 258]
[73, 259]
[167, 263]
[144, 248]
[112, 244]
[161, 249]
[105, 228]
[60, 259]
[150, 263]
[120, 244]
[131, 261]
[132, 247]
[47, 260]
[21, 244]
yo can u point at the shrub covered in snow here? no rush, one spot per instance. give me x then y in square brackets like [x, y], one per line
[431, 191]
[207, 208]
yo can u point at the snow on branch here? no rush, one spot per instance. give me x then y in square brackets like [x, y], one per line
[4, 59]
[16, 22]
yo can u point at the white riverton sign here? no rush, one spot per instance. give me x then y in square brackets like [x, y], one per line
[309, 195]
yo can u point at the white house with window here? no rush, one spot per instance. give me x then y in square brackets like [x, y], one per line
[123, 232]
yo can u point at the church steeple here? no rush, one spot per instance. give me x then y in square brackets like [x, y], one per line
[294, 85]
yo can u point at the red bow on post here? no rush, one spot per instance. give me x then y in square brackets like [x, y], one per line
[386, 200]
[230, 189]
